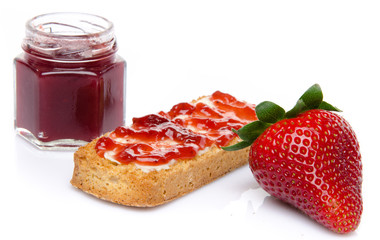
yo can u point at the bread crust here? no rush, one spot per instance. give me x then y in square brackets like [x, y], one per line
[127, 185]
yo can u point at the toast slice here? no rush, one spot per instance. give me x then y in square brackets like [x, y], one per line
[134, 184]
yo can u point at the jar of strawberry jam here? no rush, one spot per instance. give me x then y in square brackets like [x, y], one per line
[69, 81]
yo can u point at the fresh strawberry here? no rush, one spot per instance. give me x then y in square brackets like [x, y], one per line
[308, 157]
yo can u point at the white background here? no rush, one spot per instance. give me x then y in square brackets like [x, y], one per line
[177, 51]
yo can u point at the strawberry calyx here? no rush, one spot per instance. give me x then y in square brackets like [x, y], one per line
[269, 113]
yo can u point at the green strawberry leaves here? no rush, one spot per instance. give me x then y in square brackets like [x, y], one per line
[237, 146]
[269, 113]
[248, 133]
[328, 107]
[311, 99]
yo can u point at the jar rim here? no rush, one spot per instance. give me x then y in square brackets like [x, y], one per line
[70, 36]
[38, 24]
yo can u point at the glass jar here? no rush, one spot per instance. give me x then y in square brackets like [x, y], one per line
[69, 81]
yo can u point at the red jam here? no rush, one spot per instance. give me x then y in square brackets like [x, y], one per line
[179, 134]
[69, 81]
[59, 102]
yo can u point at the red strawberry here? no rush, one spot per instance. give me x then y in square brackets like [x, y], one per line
[308, 157]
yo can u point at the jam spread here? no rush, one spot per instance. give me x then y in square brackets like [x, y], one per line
[180, 134]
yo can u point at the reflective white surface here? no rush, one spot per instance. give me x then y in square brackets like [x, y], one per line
[177, 51]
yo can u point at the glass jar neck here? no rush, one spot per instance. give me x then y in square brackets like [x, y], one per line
[69, 37]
